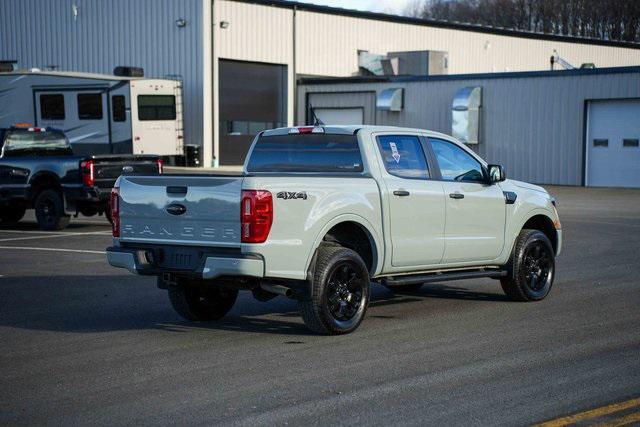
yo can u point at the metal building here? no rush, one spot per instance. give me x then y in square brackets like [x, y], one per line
[239, 59]
[574, 127]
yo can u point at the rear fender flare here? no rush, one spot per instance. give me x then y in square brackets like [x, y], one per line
[375, 239]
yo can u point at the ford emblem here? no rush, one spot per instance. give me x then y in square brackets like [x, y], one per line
[176, 209]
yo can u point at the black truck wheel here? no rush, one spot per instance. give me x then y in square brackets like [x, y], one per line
[198, 303]
[11, 214]
[531, 269]
[340, 292]
[50, 210]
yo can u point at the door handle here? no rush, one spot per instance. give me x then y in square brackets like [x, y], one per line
[401, 193]
[456, 195]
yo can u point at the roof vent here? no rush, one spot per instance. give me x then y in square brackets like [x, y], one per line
[126, 71]
[390, 99]
[465, 114]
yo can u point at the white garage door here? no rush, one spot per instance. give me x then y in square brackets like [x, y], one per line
[340, 116]
[613, 144]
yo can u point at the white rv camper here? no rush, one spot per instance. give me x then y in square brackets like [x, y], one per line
[100, 114]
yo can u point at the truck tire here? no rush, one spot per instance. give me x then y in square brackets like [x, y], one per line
[531, 269]
[11, 214]
[197, 303]
[50, 210]
[340, 291]
[107, 214]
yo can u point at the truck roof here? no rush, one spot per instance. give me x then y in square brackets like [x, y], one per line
[350, 130]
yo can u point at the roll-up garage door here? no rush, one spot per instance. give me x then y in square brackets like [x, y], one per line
[613, 143]
[340, 116]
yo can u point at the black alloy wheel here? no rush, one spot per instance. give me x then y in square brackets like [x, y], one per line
[344, 291]
[537, 266]
[531, 268]
[50, 212]
[339, 292]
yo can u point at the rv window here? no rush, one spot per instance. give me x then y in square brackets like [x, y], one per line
[118, 108]
[156, 107]
[90, 106]
[52, 107]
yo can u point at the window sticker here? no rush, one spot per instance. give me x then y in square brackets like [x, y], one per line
[394, 152]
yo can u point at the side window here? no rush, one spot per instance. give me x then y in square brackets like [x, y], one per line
[118, 108]
[455, 163]
[403, 156]
[52, 107]
[90, 106]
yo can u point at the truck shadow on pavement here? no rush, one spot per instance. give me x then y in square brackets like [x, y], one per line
[106, 303]
[73, 226]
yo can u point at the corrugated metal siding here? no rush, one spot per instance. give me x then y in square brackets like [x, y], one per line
[109, 33]
[255, 33]
[533, 125]
[327, 45]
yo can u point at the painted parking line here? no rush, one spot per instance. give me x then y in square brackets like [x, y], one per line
[624, 421]
[594, 414]
[31, 248]
[13, 239]
[49, 232]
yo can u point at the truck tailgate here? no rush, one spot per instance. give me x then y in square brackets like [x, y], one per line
[181, 210]
[109, 168]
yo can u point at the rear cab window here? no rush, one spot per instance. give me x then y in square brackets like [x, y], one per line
[18, 143]
[403, 156]
[322, 153]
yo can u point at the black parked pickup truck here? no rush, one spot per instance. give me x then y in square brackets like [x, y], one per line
[38, 170]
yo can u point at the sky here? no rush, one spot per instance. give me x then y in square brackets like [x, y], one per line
[387, 6]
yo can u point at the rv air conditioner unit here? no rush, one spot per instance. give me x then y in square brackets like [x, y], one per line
[465, 115]
[128, 71]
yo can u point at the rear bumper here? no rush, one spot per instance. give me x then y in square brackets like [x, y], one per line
[213, 266]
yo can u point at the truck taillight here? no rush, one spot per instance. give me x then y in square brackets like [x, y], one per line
[160, 165]
[256, 215]
[88, 177]
[114, 206]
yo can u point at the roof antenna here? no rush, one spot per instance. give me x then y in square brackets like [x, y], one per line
[316, 120]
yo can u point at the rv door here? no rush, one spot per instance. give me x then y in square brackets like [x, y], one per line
[156, 117]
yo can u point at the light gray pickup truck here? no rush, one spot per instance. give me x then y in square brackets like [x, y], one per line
[321, 212]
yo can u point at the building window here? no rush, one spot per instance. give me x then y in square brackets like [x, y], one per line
[52, 107]
[403, 156]
[630, 142]
[118, 108]
[156, 107]
[90, 106]
[600, 142]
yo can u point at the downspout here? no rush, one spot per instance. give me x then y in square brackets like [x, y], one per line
[294, 71]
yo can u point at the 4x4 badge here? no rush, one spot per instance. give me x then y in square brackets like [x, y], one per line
[287, 195]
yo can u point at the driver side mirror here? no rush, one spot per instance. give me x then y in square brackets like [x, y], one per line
[496, 173]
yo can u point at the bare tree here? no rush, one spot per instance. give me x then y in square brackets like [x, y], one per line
[603, 19]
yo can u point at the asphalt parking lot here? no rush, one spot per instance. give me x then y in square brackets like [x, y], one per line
[84, 343]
